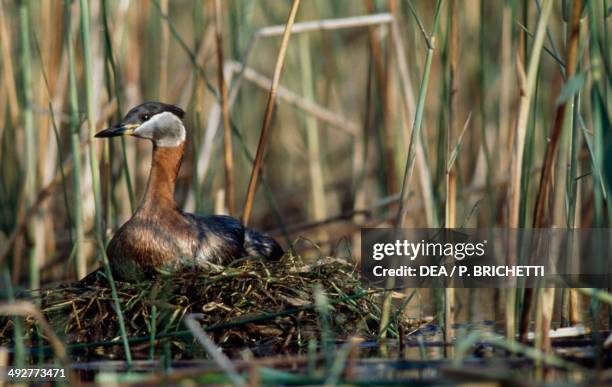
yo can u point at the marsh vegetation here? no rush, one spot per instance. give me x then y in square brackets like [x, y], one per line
[398, 113]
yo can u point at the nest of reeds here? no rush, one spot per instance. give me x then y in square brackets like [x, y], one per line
[251, 305]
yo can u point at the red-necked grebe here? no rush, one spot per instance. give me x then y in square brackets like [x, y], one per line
[159, 235]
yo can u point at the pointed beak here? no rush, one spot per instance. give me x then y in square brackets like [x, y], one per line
[117, 130]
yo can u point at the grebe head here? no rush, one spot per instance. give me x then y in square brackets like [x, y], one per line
[159, 122]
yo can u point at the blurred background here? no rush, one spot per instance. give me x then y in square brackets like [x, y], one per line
[472, 98]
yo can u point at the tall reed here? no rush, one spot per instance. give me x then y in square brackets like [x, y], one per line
[91, 117]
[450, 213]
[600, 117]
[31, 171]
[263, 137]
[8, 77]
[418, 119]
[114, 88]
[228, 157]
[526, 88]
[75, 146]
[540, 218]
[95, 172]
[414, 136]
[318, 204]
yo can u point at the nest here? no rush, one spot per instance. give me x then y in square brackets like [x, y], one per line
[251, 305]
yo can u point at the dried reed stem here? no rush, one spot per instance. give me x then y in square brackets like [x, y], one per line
[323, 114]
[382, 78]
[289, 96]
[526, 84]
[228, 157]
[540, 218]
[163, 53]
[311, 26]
[506, 153]
[328, 24]
[263, 138]
[450, 213]
[451, 178]
[7, 67]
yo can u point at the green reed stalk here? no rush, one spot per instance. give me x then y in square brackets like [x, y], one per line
[28, 125]
[600, 122]
[450, 217]
[418, 119]
[75, 146]
[91, 118]
[527, 181]
[541, 218]
[118, 310]
[153, 321]
[419, 148]
[153, 331]
[599, 109]
[573, 197]
[416, 129]
[526, 84]
[100, 234]
[114, 75]
[312, 134]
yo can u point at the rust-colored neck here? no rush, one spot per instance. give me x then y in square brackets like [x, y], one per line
[165, 166]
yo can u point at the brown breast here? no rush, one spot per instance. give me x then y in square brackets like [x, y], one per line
[151, 239]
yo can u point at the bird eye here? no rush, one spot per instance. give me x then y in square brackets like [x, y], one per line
[145, 117]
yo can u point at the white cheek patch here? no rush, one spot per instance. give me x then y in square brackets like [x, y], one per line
[164, 129]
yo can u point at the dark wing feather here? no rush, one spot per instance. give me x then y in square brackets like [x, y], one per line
[262, 245]
[221, 238]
